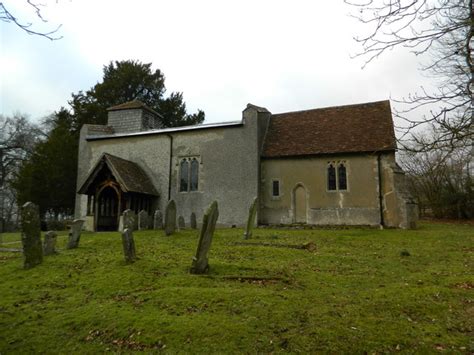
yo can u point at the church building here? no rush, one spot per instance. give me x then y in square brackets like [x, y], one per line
[327, 166]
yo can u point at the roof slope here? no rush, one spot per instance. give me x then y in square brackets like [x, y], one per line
[364, 127]
[128, 174]
[130, 105]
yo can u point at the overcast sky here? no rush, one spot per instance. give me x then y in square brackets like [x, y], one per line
[283, 55]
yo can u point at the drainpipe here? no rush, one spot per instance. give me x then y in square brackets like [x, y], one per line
[379, 156]
[171, 164]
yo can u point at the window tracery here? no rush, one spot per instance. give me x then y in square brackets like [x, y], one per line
[189, 174]
[337, 176]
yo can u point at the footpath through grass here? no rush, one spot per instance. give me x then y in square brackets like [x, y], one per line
[355, 293]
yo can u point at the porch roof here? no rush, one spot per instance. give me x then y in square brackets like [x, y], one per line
[128, 174]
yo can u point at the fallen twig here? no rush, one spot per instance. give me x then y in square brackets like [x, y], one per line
[310, 246]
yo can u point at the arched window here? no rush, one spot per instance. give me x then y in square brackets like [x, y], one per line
[184, 175]
[194, 175]
[331, 177]
[342, 177]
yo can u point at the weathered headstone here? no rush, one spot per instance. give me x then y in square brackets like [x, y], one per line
[49, 245]
[128, 246]
[200, 263]
[75, 233]
[158, 220]
[181, 223]
[193, 221]
[143, 222]
[170, 218]
[129, 219]
[251, 219]
[31, 235]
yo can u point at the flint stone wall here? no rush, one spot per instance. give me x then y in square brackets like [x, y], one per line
[228, 171]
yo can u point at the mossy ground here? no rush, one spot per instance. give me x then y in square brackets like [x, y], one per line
[355, 293]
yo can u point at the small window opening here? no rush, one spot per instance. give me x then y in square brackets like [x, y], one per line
[276, 188]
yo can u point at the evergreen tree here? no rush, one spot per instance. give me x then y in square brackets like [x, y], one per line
[48, 178]
[125, 81]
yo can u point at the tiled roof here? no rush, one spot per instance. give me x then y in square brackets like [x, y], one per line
[130, 105]
[129, 175]
[364, 127]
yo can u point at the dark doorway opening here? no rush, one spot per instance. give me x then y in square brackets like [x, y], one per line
[108, 210]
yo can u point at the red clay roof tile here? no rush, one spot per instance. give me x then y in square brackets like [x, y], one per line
[364, 127]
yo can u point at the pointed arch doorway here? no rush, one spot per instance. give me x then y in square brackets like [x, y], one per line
[299, 204]
[108, 208]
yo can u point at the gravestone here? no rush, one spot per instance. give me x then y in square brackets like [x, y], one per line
[158, 220]
[128, 245]
[193, 221]
[75, 233]
[412, 214]
[49, 246]
[143, 220]
[181, 223]
[31, 235]
[251, 219]
[129, 219]
[170, 218]
[200, 263]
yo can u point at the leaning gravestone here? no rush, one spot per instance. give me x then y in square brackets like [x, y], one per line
[193, 221]
[181, 223]
[128, 246]
[200, 263]
[170, 218]
[49, 246]
[129, 219]
[75, 234]
[31, 235]
[158, 220]
[143, 220]
[251, 219]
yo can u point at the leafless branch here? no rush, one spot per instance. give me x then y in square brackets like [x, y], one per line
[444, 31]
[7, 16]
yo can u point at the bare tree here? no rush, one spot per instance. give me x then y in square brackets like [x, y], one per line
[18, 138]
[441, 184]
[443, 30]
[7, 16]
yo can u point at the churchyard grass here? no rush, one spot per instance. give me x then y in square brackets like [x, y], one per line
[354, 293]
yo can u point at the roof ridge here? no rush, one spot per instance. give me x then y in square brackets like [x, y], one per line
[332, 107]
[116, 157]
[133, 104]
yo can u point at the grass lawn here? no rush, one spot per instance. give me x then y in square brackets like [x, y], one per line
[354, 293]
